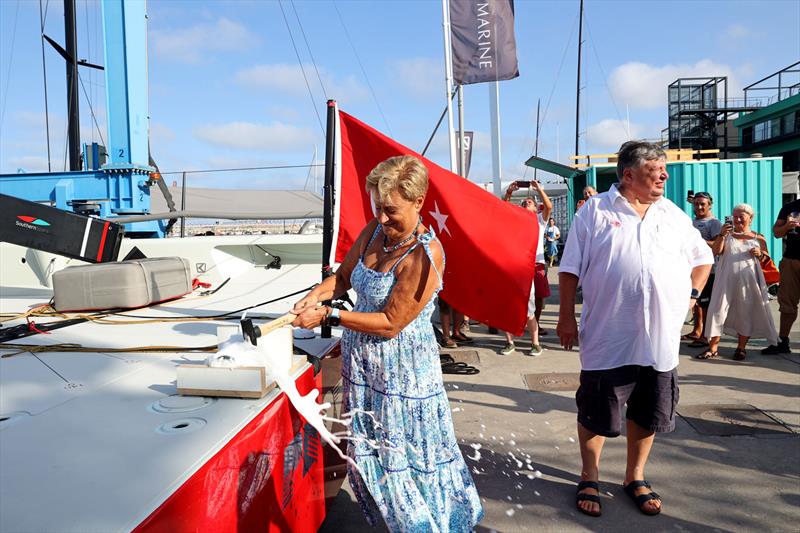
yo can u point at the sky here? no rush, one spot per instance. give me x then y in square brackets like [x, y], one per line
[226, 89]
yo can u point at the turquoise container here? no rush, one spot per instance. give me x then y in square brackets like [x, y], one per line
[758, 182]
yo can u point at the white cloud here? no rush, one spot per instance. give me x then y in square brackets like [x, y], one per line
[644, 86]
[253, 136]
[737, 31]
[190, 45]
[288, 79]
[423, 77]
[609, 134]
[161, 133]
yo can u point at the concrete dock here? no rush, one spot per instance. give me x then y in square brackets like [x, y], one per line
[732, 464]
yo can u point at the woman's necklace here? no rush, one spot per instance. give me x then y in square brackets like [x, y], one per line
[390, 249]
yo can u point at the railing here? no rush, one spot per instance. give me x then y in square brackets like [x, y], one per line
[672, 155]
[239, 201]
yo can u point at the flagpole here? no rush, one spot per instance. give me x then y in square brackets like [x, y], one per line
[494, 110]
[327, 201]
[448, 68]
[462, 153]
[536, 146]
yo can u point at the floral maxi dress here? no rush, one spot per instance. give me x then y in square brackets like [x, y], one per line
[405, 446]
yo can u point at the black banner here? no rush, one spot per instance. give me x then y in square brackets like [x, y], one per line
[483, 43]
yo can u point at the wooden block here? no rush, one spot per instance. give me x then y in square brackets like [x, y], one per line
[240, 382]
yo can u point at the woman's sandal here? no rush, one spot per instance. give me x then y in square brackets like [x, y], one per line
[459, 368]
[582, 496]
[641, 499]
[689, 337]
[449, 343]
[708, 354]
[739, 355]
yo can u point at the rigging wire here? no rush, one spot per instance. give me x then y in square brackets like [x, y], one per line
[552, 90]
[308, 47]
[10, 63]
[91, 110]
[44, 77]
[605, 78]
[204, 171]
[363, 71]
[303, 70]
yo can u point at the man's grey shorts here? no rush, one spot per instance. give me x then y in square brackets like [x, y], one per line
[651, 396]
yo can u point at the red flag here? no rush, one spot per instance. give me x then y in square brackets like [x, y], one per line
[489, 244]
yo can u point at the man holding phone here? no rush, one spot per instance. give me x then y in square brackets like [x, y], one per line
[540, 289]
[709, 227]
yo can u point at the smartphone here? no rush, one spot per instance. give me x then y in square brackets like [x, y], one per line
[729, 220]
[689, 195]
[523, 183]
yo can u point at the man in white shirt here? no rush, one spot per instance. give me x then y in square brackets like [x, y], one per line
[641, 265]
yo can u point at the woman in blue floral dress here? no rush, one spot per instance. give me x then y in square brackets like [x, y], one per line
[410, 469]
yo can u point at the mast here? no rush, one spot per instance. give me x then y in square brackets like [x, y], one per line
[578, 86]
[73, 114]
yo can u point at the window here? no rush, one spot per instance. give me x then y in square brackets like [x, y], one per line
[760, 132]
[775, 127]
[747, 136]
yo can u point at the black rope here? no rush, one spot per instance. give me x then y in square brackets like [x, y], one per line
[23, 330]
[223, 315]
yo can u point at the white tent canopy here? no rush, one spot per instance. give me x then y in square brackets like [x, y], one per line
[245, 203]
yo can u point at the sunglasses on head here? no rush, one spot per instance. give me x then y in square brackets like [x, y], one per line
[704, 195]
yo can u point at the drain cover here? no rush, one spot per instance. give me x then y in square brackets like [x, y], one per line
[724, 420]
[553, 381]
[184, 425]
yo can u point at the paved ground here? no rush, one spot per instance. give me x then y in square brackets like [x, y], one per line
[529, 461]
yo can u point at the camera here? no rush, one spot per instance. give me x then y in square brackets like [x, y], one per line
[521, 183]
[729, 220]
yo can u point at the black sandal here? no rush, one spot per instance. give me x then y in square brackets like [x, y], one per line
[640, 499]
[708, 354]
[739, 355]
[459, 368]
[582, 496]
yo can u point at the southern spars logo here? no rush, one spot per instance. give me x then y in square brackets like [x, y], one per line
[32, 223]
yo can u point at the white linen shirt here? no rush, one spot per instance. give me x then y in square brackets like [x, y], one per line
[636, 279]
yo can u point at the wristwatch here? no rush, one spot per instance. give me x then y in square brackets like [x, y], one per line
[695, 294]
[333, 318]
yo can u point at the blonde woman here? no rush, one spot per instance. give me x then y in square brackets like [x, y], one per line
[739, 301]
[410, 468]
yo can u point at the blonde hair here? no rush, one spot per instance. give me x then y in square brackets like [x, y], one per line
[747, 208]
[404, 173]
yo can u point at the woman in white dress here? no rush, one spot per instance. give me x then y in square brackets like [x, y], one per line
[739, 301]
